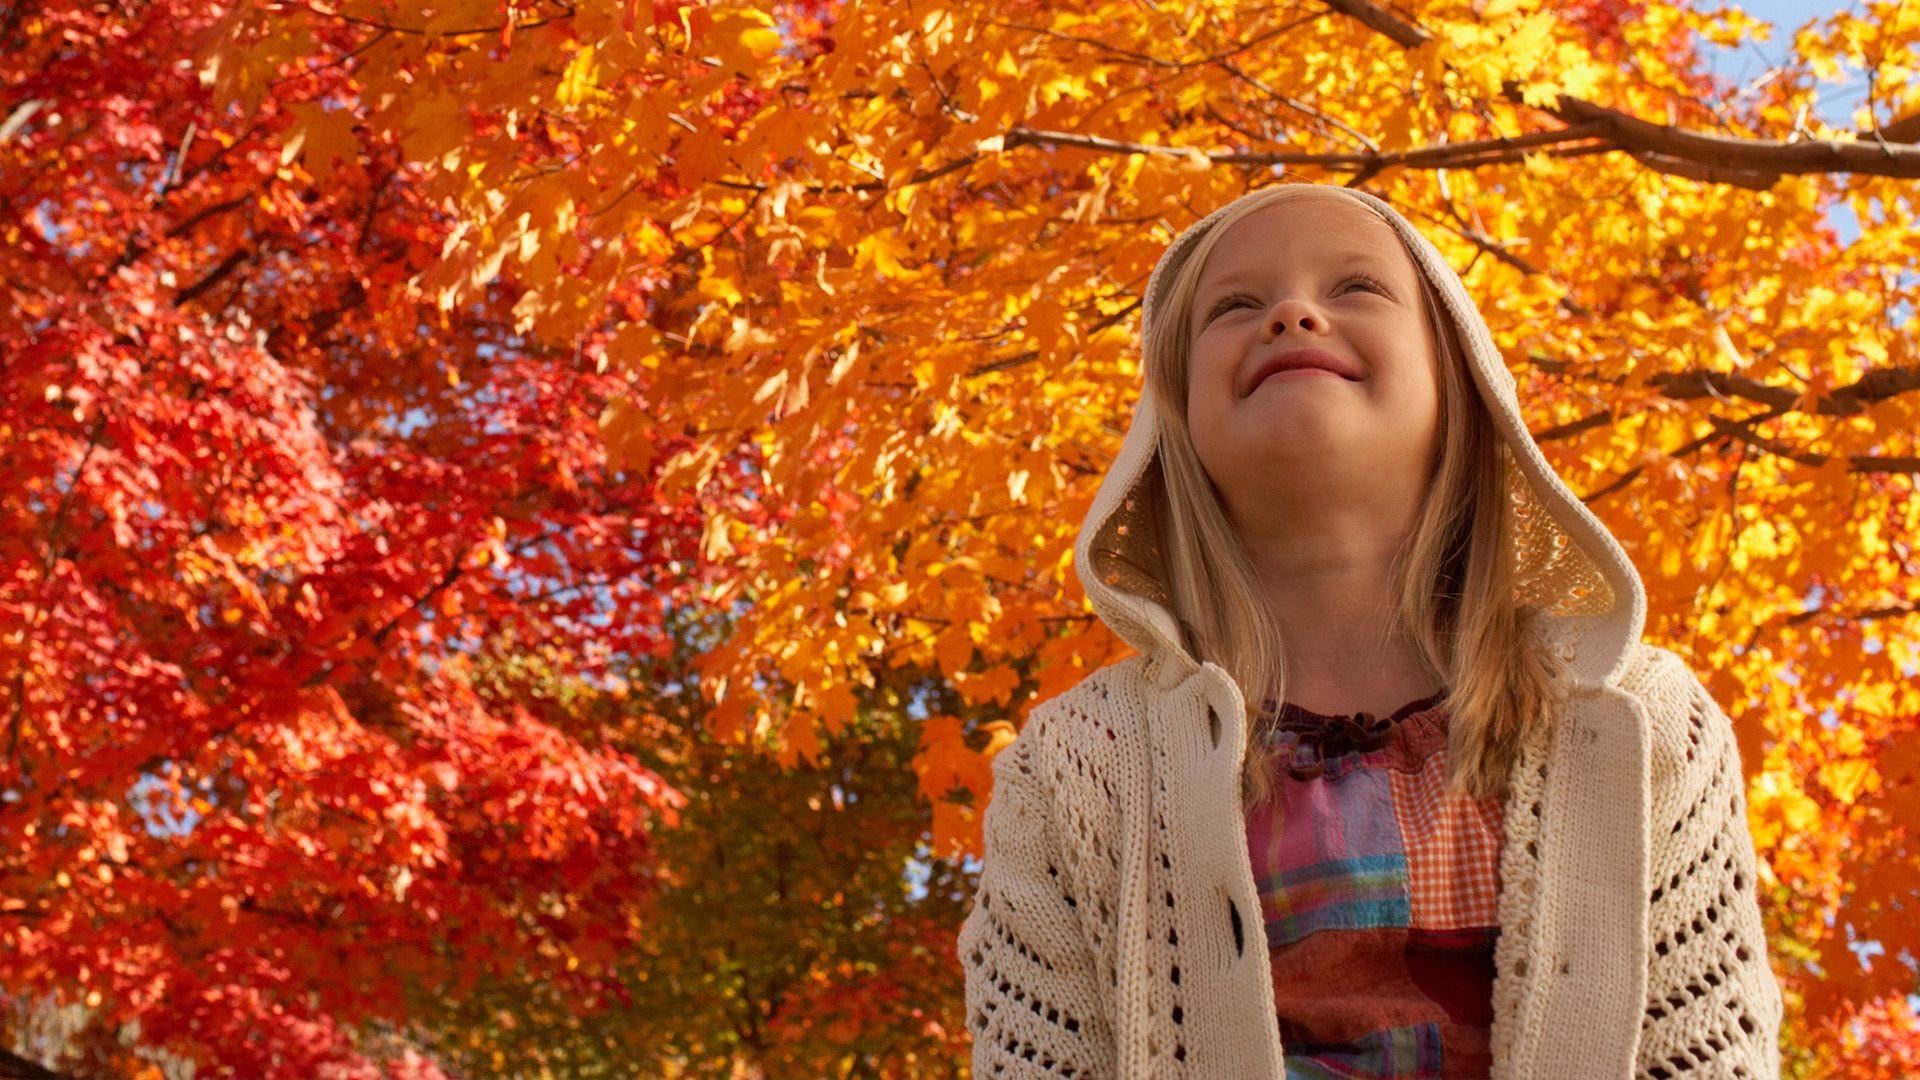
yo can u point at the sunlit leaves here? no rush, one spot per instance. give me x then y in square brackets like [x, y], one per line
[862, 281]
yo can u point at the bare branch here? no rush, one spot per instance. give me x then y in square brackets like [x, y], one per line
[1696, 155]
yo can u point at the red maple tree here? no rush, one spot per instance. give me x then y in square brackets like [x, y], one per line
[264, 513]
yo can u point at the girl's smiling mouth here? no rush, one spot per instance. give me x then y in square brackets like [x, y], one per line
[1295, 362]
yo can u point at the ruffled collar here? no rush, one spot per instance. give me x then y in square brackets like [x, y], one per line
[1309, 742]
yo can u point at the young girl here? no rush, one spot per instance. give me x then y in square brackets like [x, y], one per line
[1468, 825]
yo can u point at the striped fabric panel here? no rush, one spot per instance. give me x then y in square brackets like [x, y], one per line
[1402, 1051]
[1349, 894]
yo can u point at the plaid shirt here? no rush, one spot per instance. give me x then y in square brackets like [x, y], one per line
[1379, 889]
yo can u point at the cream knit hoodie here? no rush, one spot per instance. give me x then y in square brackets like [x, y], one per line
[1116, 929]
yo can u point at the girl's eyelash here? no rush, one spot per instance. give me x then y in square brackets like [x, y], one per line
[1346, 281]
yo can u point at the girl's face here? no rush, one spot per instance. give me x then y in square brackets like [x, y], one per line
[1315, 273]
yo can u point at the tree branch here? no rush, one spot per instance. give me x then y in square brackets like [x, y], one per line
[1695, 155]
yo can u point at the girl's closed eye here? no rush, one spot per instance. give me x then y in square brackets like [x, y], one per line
[1369, 279]
[1228, 302]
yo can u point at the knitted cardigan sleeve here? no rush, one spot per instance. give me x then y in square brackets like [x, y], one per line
[1713, 1003]
[1034, 996]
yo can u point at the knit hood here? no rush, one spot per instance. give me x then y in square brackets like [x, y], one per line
[1567, 561]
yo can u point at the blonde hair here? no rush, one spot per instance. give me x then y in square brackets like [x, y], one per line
[1454, 576]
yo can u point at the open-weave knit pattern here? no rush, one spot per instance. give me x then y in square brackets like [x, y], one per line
[1551, 572]
[1041, 955]
[1037, 995]
[1041, 960]
[1713, 1006]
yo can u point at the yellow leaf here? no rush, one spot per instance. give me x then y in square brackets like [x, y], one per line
[577, 81]
[1540, 94]
[1527, 46]
[721, 288]
[1801, 812]
[878, 249]
[762, 42]
[1577, 78]
[744, 37]
[1847, 778]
